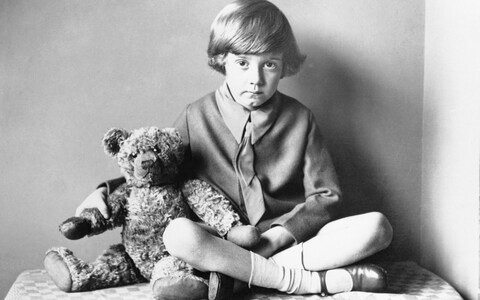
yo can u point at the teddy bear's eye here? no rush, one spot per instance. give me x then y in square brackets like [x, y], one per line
[133, 155]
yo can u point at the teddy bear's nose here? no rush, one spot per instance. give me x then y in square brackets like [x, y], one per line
[145, 160]
[146, 164]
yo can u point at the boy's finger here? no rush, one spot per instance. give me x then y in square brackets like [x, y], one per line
[94, 200]
[105, 212]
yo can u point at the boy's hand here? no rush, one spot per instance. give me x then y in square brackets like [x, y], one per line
[95, 200]
[272, 240]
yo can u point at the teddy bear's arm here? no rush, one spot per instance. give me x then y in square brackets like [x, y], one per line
[116, 203]
[215, 210]
[210, 206]
[91, 221]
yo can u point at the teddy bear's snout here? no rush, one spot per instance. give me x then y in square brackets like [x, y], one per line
[143, 163]
[147, 164]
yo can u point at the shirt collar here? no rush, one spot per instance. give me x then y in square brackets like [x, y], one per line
[236, 116]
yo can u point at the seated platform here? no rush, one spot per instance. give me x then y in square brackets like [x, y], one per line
[407, 280]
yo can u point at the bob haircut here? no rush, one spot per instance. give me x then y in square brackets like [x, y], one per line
[253, 27]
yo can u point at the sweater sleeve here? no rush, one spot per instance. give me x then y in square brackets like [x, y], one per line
[181, 124]
[322, 193]
[112, 184]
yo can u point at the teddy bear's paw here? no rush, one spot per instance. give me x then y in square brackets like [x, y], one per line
[172, 278]
[179, 288]
[245, 236]
[75, 228]
[58, 270]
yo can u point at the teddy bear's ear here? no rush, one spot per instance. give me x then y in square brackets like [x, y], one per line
[113, 139]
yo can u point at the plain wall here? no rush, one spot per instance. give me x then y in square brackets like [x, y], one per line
[70, 70]
[451, 123]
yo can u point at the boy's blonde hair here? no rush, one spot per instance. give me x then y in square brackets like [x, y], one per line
[253, 27]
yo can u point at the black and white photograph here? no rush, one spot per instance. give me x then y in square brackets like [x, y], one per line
[240, 149]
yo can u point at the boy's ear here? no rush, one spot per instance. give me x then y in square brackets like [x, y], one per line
[113, 139]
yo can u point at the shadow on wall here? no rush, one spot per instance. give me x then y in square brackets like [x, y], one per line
[356, 122]
[341, 98]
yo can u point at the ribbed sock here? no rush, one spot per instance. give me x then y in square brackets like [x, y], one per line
[266, 273]
[291, 257]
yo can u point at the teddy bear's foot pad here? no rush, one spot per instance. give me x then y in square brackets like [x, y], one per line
[178, 288]
[58, 271]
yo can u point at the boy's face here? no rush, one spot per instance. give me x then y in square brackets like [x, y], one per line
[253, 78]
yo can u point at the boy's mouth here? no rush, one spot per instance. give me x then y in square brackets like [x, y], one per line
[254, 92]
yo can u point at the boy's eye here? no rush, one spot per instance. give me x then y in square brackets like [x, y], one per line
[242, 63]
[270, 65]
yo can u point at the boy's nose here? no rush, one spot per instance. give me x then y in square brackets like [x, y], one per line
[256, 76]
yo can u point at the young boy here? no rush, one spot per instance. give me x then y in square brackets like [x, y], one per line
[264, 151]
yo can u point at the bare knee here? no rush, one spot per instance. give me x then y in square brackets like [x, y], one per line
[184, 239]
[380, 229]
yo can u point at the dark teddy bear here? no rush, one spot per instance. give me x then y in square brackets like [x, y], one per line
[150, 159]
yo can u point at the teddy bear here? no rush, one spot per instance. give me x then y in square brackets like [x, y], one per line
[150, 159]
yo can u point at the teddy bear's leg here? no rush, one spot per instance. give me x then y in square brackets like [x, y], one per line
[113, 268]
[57, 268]
[173, 278]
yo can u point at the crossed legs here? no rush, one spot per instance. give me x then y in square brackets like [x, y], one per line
[339, 243]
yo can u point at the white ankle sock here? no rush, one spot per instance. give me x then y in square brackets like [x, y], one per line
[291, 257]
[266, 273]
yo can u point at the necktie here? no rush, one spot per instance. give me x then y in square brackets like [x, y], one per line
[249, 183]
